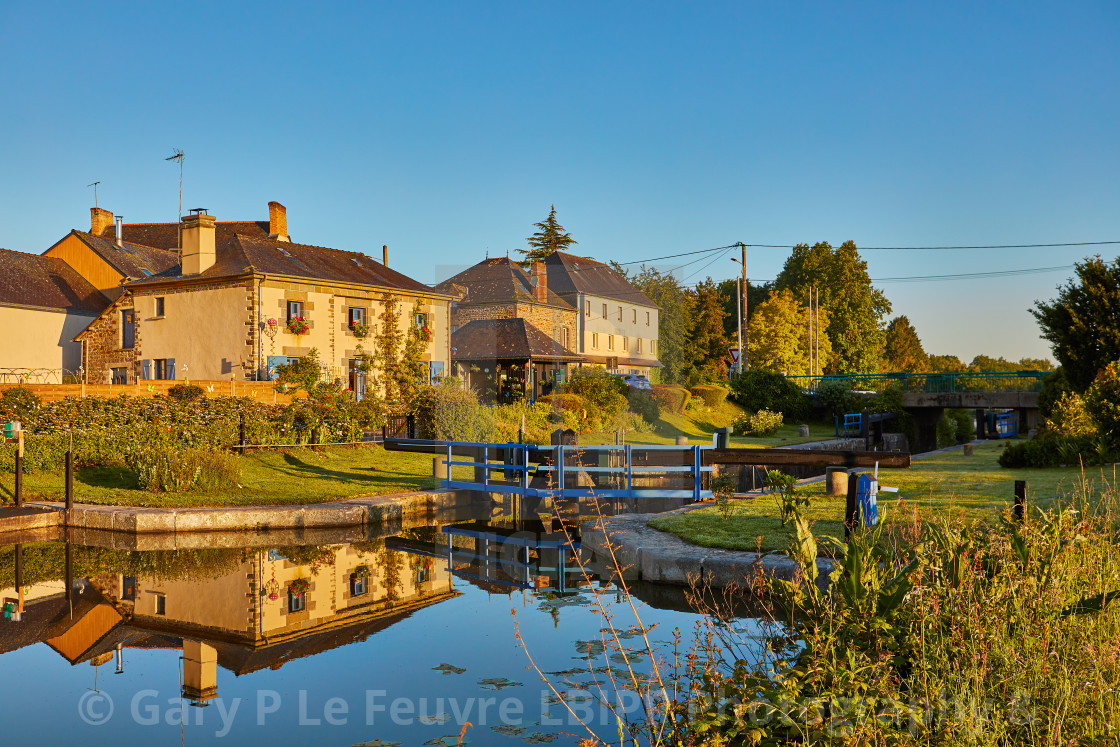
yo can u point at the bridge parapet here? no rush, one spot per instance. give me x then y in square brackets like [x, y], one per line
[985, 400]
[1011, 382]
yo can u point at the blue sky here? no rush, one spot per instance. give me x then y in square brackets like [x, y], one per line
[446, 129]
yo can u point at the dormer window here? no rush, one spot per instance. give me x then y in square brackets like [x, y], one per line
[283, 251]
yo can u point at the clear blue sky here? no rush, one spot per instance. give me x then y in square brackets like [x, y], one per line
[444, 129]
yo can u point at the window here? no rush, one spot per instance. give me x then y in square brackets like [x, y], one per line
[633, 316]
[610, 342]
[638, 347]
[421, 321]
[159, 306]
[295, 602]
[359, 585]
[588, 308]
[357, 316]
[357, 378]
[653, 347]
[161, 604]
[128, 588]
[625, 343]
[594, 339]
[620, 313]
[120, 376]
[128, 329]
[164, 368]
[564, 336]
[647, 318]
[295, 309]
[604, 311]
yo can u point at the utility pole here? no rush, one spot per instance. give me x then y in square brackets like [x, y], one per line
[744, 361]
[739, 315]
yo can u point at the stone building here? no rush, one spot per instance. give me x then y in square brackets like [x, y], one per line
[510, 333]
[44, 303]
[240, 298]
[616, 322]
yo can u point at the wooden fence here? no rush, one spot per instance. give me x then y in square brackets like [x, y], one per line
[262, 391]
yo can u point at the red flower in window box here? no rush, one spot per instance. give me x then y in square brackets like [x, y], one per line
[298, 587]
[425, 333]
[297, 326]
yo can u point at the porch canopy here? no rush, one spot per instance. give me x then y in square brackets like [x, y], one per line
[507, 359]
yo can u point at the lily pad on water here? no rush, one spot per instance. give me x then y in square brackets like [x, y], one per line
[439, 718]
[449, 669]
[538, 737]
[568, 672]
[589, 648]
[447, 741]
[497, 683]
[508, 730]
[377, 743]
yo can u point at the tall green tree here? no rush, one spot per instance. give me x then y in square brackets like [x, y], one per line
[856, 309]
[707, 340]
[672, 325]
[946, 364]
[551, 237]
[1082, 324]
[902, 349]
[779, 336]
[756, 295]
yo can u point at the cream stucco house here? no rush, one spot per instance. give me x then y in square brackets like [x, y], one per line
[44, 303]
[241, 298]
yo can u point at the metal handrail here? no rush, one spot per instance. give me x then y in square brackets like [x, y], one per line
[933, 382]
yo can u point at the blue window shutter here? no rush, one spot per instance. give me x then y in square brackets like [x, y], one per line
[171, 369]
[145, 369]
[273, 362]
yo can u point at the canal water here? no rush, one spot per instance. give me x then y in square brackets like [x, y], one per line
[408, 638]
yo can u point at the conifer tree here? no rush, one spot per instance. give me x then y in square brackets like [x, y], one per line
[550, 238]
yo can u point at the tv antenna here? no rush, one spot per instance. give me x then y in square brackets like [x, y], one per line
[178, 156]
[94, 185]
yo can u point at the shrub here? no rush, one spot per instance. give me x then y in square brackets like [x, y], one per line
[946, 432]
[766, 390]
[671, 397]
[643, 404]
[607, 393]
[219, 471]
[1052, 452]
[160, 468]
[712, 394]
[1069, 416]
[19, 403]
[629, 421]
[541, 419]
[450, 414]
[185, 392]
[1103, 400]
[1054, 385]
[835, 397]
[761, 423]
[964, 427]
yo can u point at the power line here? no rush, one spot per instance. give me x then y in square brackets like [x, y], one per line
[940, 248]
[962, 275]
[683, 254]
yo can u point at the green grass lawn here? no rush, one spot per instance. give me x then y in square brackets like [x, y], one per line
[972, 488]
[699, 423]
[267, 478]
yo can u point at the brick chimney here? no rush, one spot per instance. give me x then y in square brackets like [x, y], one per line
[99, 220]
[198, 242]
[277, 221]
[540, 282]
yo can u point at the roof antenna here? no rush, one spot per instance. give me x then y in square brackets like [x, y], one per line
[178, 156]
[94, 185]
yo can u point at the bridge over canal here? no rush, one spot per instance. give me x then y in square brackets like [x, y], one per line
[927, 395]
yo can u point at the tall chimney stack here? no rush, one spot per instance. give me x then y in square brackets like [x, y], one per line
[277, 221]
[198, 242]
[120, 230]
[385, 254]
[540, 282]
[99, 220]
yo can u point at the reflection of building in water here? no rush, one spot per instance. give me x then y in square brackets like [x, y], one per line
[272, 607]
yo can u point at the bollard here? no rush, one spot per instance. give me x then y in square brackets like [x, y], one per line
[19, 470]
[241, 433]
[968, 449]
[802, 431]
[1020, 509]
[439, 468]
[682, 440]
[836, 480]
[851, 508]
[69, 483]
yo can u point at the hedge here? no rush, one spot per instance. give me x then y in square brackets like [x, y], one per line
[712, 394]
[671, 397]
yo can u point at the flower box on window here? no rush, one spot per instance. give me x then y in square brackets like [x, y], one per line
[361, 331]
[298, 587]
[297, 326]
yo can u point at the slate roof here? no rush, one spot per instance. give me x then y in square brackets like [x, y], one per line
[497, 280]
[241, 254]
[46, 282]
[129, 259]
[166, 235]
[569, 274]
[494, 339]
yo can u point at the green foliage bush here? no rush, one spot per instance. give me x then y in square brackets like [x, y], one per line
[671, 397]
[766, 390]
[161, 467]
[835, 397]
[761, 423]
[712, 394]
[1103, 401]
[641, 403]
[185, 392]
[1056, 451]
[964, 426]
[19, 403]
[451, 414]
[586, 416]
[1069, 416]
[541, 419]
[607, 393]
[1054, 385]
[946, 432]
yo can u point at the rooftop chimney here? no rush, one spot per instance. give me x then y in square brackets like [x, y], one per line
[385, 254]
[99, 220]
[540, 282]
[277, 221]
[120, 230]
[198, 242]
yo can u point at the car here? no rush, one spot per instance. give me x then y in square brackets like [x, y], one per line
[636, 381]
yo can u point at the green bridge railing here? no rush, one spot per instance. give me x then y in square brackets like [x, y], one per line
[933, 383]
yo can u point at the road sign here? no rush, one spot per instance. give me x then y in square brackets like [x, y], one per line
[734, 352]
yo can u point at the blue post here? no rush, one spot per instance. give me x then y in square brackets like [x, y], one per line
[696, 473]
[629, 472]
[485, 465]
[449, 477]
